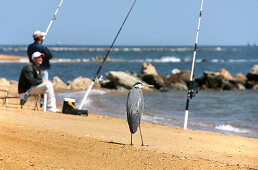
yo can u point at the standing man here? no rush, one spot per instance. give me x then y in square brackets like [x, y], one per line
[30, 82]
[37, 46]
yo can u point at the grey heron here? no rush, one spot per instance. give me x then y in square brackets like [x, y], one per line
[135, 108]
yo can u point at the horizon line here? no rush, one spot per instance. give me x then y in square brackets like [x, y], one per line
[120, 45]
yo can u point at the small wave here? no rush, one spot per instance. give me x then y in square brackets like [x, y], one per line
[215, 60]
[227, 127]
[231, 60]
[97, 91]
[155, 119]
[69, 60]
[165, 59]
[242, 60]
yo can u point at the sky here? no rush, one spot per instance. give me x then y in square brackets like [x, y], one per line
[152, 22]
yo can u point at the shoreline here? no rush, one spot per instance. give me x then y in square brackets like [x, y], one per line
[101, 104]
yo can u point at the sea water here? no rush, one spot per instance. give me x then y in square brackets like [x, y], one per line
[231, 112]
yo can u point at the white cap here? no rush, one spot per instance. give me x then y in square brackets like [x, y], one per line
[38, 34]
[37, 54]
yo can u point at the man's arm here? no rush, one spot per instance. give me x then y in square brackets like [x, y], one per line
[48, 54]
[29, 75]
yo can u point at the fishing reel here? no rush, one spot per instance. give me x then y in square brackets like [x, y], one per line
[193, 89]
[192, 93]
[100, 79]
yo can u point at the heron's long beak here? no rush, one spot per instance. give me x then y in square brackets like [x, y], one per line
[148, 86]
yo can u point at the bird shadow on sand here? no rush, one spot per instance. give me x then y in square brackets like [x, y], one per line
[123, 144]
[116, 143]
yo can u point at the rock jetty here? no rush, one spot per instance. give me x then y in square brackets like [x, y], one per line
[178, 80]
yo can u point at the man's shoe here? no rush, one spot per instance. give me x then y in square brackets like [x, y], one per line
[24, 100]
[54, 110]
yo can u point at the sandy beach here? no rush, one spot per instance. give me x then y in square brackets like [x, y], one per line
[11, 58]
[36, 140]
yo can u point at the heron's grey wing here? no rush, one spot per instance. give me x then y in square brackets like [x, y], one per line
[135, 108]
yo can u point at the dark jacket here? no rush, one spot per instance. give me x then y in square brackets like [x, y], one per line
[34, 47]
[30, 76]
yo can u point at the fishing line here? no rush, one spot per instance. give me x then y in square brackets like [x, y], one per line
[192, 92]
[101, 65]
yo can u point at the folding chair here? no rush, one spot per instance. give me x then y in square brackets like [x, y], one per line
[36, 97]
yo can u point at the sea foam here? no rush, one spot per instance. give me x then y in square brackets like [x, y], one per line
[227, 127]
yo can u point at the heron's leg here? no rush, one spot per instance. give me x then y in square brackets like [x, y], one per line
[141, 135]
[131, 139]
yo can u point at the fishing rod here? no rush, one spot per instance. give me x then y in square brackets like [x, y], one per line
[53, 18]
[192, 92]
[100, 67]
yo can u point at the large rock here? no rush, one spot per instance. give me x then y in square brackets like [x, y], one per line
[216, 80]
[212, 80]
[122, 79]
[251, 85]
[225, 74]
[239, 77]
[4, 82]
[175, 71]
[157, 80]
[255, 87]
[80, 83]
[59, 84]
[230, 85]
[147, 69]
[181, 77]
[240, 86]
[13, 82]
[108, 84]
[175, 86]
[253, 74]
[178, 81]
[254, 69]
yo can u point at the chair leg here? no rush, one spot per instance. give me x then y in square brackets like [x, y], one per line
[36, 102]
[6, 99]
[45, 103]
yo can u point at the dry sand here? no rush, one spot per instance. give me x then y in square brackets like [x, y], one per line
[32, 139]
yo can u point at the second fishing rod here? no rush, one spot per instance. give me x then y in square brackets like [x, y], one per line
[101, 65]
[51, 21]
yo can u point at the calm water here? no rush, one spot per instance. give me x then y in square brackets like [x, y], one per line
[231, 112]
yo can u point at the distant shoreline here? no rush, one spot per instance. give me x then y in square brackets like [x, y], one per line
[11, 57]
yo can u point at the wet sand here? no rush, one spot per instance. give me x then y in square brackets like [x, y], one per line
[32, 139]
